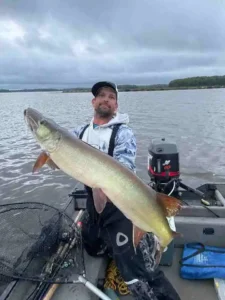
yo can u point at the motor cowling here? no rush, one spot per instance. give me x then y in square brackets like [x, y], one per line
[163, 161]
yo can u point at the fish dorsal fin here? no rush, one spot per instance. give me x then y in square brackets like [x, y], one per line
[169, 205]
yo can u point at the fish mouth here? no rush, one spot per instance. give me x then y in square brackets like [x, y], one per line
[32, 118]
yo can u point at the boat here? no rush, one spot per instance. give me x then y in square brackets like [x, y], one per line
[201, 220]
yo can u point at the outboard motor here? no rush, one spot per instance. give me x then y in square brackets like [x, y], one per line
[163, 166]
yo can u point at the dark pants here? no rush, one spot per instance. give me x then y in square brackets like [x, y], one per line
[139, 270]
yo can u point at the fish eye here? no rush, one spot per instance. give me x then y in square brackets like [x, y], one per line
[43, 122]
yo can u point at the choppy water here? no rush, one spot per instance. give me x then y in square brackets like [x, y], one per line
[194, 119]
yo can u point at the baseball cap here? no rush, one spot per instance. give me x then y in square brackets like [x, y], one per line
[101, 84]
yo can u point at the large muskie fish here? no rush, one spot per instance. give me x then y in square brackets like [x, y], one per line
[108, 178]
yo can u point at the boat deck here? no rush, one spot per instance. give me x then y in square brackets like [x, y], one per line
[187, 289]
[95, 268]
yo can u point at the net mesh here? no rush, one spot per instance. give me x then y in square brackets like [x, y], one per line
[35, 241]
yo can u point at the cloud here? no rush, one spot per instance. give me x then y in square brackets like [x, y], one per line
[78, 42]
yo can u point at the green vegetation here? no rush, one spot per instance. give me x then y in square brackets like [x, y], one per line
[77, 90]
[28, 90]
[200, 82]
[4, 91]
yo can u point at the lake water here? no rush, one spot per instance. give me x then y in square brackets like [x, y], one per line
[194, 119]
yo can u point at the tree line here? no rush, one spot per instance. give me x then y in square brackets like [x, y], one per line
[200, 81]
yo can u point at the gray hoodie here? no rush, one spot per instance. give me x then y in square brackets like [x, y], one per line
[125, 142]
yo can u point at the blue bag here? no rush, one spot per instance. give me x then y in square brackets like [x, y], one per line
[202, 262]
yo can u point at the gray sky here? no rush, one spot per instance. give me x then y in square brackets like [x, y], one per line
[76, 42]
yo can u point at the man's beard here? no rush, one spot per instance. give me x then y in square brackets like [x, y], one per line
[104, 113]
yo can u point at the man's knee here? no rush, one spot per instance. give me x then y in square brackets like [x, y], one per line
[150, 251]
[141, 290]
[162, 287]
[92, 243]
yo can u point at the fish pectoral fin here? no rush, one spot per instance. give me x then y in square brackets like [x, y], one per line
[100, 199]
[40, 161]
[137, 236]
[51, 164]
[176, 234]
[169, 205]
[43, 159]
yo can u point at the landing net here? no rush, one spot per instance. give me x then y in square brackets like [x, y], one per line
[36, 239]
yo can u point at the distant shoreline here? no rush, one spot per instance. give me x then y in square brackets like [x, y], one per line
[136, 89]
[146, 89]
[190, 83]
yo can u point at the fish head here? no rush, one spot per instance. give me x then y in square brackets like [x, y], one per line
[45, 130]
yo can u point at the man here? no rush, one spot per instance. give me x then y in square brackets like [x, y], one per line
[108, 131]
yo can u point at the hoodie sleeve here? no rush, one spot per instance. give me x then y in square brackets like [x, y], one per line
[77, 130]
[125, 147]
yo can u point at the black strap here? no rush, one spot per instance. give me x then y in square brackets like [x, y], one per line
[194, 246]
[83, 130]
[112, 139]
[200, 249]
